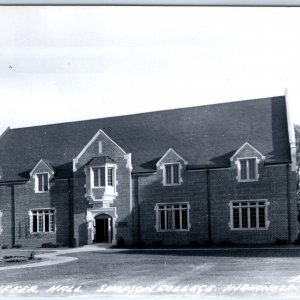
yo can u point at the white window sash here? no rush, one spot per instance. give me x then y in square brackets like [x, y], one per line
[171, 211]
[240, 208]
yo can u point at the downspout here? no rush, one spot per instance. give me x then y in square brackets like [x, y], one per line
[288, 197]
[71, 214]
[208, 205]
[13, 216]
[138, 210]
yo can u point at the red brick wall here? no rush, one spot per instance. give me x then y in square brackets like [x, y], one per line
[26, 199]
[224, 187]
[271, 186]
[6, 191]
[192, 190]
[123, 187]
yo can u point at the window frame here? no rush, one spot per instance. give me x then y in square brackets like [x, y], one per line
[248, 206]
[36, 211]
[43, 182]
[247, 170]
[106, 185]
[173, 229]
[172, 174]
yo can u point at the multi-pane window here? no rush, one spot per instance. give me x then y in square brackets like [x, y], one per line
[104, 177]
[42, 220]
[249, 214]
[248, 169]
[42, 184]
[172, 217]
[99, 176]
[110, 176]
[172, 174]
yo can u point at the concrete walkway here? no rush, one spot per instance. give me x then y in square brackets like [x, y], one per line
[54, 258]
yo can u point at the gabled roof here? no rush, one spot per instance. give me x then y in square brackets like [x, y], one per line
[206, 136]
[171, 151]
[48, 164]
[245, 146]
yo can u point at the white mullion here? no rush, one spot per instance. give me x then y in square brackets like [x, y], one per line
[165, 211]
[173, 217]
[248, 215]
[99, 177]
[266, 214]
[92, 177]
[257, 215]
[180, 217]
[240, 216]
[43, 221]
[172, 174]
[247, 169]
[38, 221]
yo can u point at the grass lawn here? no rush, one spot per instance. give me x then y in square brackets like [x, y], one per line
[157, 272]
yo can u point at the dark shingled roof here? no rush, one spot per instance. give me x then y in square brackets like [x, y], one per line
[205, 136]
[100, 160]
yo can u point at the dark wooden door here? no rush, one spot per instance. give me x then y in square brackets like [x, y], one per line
[101, 231]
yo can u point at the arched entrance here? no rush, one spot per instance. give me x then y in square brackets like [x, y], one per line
[103, 229]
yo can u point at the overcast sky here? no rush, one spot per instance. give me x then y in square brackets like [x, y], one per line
[61, 64]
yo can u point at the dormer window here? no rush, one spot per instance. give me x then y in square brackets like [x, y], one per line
[171, 174]
[41, 174]
[104, 177]
[42, 183]
[248, 169]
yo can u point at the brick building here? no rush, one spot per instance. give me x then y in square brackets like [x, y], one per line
[223, 172]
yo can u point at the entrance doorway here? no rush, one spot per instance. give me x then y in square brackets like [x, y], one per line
[103, 229]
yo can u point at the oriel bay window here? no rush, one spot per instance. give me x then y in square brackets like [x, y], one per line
[42, 220]
[249, 214]
[104, 177]
[172, 217]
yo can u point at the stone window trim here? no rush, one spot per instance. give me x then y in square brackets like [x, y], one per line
[239, 169]
[40, 186]
[106, 167]
[176, 179]
[252, 218]
[48, 227]
[172, 207]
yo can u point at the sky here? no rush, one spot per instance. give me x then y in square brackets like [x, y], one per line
[61, 64]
